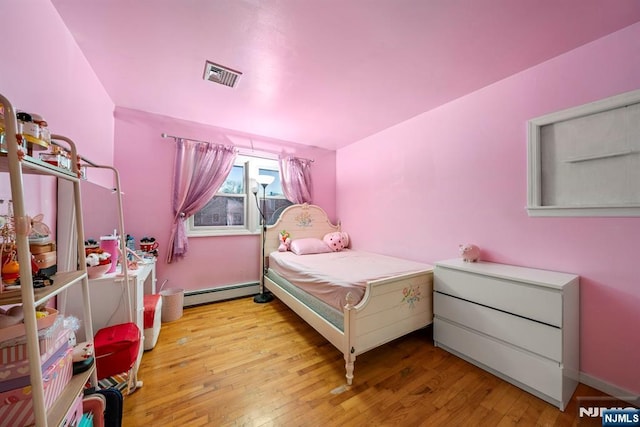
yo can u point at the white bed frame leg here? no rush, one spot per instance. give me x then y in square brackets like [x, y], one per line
[349, 351]
[349, 367]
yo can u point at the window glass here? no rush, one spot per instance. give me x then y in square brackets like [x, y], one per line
[234, 184]
[273, 209]
[224, 210]
[221, 211]
[234, 209]
[275, 188]
[274, 196]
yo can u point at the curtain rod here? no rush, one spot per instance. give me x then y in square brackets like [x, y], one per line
[164, 135]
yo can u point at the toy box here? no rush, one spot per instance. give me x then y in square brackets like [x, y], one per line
[45, 259]
[16, 406]
[20, 369]
[15, 350]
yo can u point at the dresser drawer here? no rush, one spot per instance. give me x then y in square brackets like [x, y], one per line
[536, 337]
[537, 373]
[526, 300]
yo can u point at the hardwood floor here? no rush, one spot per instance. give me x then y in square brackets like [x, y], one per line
[237, 363]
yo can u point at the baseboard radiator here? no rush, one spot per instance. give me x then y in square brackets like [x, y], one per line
[220, 293]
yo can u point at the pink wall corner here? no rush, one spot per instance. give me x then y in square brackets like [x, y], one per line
[458, 174]
[44, 72]
[145, 162]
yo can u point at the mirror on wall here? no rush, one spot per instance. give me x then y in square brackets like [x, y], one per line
[39, 198]
[100, 217]
[99, 212]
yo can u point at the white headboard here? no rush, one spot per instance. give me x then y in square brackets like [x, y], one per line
[300, 221]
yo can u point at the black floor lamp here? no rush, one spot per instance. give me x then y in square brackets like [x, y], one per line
[264, 181]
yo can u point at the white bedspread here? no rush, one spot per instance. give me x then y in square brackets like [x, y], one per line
[330, 276]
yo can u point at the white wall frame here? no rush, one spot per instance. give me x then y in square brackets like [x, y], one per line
[594, 160]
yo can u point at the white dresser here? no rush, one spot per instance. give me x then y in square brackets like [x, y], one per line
[521, 324]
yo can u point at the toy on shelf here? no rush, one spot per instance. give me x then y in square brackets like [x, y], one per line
[8, 255]
[98, 262]
[469, 252]
[149, 245]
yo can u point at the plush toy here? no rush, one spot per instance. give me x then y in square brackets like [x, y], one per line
[82, 351]
[285, 241]
[337, 240]
[11, 317]
[93, 260]
[97, 257]
[71, 323]
[469, 252]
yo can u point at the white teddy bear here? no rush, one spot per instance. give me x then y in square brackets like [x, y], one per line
[93, 260]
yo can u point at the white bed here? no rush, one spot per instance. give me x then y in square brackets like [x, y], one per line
[390, 307]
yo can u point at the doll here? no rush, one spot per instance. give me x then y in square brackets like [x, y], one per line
[285, 241]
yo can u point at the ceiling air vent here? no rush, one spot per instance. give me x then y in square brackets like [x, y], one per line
[222, 75]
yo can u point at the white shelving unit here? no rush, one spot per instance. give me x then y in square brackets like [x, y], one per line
[27, 295]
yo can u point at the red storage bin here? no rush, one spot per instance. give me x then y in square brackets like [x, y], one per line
[152, 320]
[116, 349]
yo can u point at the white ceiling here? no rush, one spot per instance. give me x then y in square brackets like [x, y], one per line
[323, 72]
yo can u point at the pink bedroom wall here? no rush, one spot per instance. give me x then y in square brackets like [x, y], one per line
[458, 174]
[145, 161]
[44, 72]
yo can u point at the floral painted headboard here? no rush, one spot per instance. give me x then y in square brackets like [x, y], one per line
[300, 221]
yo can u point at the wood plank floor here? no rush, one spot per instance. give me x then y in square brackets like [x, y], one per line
[237, 363]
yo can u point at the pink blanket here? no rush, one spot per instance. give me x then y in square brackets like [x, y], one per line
[330, 276]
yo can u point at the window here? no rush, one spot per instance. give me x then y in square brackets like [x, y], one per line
[234, 209]
[274, 199]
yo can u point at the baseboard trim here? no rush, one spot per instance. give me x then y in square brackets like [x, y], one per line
[610, 389]
[221, 293]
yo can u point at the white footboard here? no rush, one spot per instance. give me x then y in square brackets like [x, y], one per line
[389, 309]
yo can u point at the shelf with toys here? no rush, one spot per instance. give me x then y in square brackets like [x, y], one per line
[21, 136]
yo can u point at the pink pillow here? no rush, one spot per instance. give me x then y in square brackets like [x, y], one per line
[308, 246]
[337, 241]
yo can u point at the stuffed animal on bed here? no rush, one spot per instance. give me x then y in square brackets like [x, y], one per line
[285, 241]
[337, 240]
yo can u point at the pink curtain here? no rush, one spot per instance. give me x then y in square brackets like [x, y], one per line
[200, 169]
[295, 176]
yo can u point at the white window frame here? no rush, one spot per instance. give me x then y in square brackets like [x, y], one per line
[252, 164]
[535, 206]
